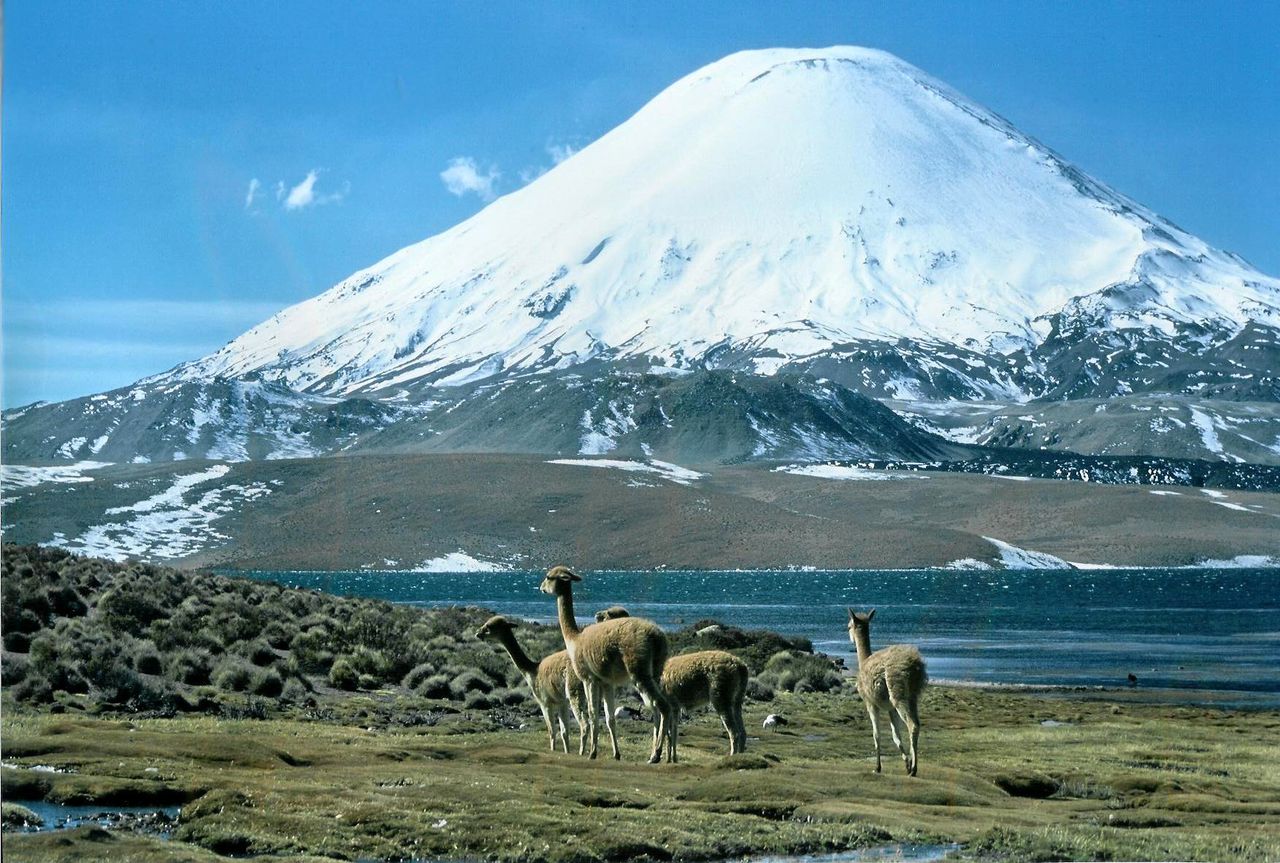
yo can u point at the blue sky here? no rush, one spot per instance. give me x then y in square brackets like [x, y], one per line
[133, 133]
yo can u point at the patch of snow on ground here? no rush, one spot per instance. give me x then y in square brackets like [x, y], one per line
[1242, 561]
[766, 439]
[26, 476]
[1020, 558]
[1230, 505]
[968, 563]
[71, 447]
[98, 444]
[459, 561]
[835, 471]
[1162, 492]
[1208, 434]
[666, 470]
[166, 525]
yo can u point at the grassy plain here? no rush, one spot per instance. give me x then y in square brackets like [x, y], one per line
[1112, 781]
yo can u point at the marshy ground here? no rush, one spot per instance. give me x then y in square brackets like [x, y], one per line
[1009, 775]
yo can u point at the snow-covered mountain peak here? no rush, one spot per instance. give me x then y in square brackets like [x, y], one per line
[780, 203]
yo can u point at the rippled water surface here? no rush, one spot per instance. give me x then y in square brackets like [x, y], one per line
[1213, 634]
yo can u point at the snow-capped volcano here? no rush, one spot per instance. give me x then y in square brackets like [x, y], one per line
[729, 275]
[781, 203]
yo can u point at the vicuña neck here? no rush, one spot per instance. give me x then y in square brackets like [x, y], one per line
[568, 623]
[862, 640]
[518, 656]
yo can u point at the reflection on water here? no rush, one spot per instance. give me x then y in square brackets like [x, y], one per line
[1212, 634]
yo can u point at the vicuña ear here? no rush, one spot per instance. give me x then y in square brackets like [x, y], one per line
[561, 572]
[852, 616]
[871, 614]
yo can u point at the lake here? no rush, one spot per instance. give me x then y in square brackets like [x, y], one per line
[1202, 635]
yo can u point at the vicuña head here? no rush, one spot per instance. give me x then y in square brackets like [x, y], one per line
[558, 581]
[493, 627]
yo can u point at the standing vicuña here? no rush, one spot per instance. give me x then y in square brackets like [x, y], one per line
[712, 677]
[890, 680]
[609, 654]
[554, 685]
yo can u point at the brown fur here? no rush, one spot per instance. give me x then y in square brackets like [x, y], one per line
[711, 677]
[610, 654]
[890, 681]
[555, 686]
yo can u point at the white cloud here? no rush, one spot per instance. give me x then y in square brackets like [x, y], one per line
[255, 192]
[463, 176]
[306, 195]
[303, 194]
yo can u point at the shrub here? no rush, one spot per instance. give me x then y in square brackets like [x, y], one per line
[435, 686]
[294, 690]
[53, 659]
[278, 635]
[343, 674]
[508, 697]
[146, 659]
[192, 666]
[417, 675]
[800, 672]
[258, 652]
[758, 691]
[129, 606]
[266, 682]
[477, 700]
[469, 681]
[312, 649]
[34, 689]
[370, 662]
[232, 674]
[12, 670]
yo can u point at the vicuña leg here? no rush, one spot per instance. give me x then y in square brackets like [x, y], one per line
[551, 727]
[900, 736]
[913, 728]
[653, 695]
[593, 718]
[562, 724]
[580, 718]
[610, 700]
[875, 731]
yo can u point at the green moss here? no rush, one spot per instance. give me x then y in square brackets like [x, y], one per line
[364, 783]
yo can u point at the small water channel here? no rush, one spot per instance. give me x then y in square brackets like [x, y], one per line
[154, 820]
[900, 853]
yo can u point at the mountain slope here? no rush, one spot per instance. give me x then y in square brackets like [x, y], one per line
[769, 245]
[778, 205]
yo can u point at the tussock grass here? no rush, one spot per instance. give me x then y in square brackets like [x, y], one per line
[464, 786]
